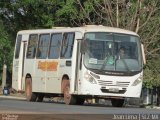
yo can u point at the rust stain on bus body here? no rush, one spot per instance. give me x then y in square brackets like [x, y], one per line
[47, 66]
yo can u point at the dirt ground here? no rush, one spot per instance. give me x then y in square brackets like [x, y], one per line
[13, 92]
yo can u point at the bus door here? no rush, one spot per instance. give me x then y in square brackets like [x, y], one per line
[65, 63]
[53, 82]
[70, 59]
[18, 63]
[78, 64]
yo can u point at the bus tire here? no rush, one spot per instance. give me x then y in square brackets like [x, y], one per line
[30, 96]
[117, 102]
[68, 98]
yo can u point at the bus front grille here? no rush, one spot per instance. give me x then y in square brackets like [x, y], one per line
[112, 83]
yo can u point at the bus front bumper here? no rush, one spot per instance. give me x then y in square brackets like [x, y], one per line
[97, 90]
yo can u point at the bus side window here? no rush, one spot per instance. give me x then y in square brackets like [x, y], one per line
[32, 45]
[18, 46]
[67, 45]
[43, 45]
[54, 50]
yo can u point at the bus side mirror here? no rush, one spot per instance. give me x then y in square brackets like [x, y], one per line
[143, 54]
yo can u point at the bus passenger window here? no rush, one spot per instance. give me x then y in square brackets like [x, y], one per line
[67, 45]
[32, 45]
[54, 50]
[18, 46]
[43, 45]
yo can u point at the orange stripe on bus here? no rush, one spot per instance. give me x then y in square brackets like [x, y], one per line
[47, 66]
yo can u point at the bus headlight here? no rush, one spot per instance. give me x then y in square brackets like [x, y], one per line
[137, 81]
[89, 78]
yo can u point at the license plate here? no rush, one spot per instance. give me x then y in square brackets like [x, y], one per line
[113, 89]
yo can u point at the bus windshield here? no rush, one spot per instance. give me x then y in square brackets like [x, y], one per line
[112, 52]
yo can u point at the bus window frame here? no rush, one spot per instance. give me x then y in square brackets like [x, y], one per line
[36, 46]
[63, 57]
[47, 46]
[52, 34]
[17, 56]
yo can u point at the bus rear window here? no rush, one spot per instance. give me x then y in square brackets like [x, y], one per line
[18, 46]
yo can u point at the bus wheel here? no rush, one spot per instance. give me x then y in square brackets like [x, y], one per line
[68, 98]
[80, 101]
[117, 102]
[30, 96]
[40, 97]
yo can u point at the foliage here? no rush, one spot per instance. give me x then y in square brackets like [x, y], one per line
[27, 14]
[6, 49]
[152, 73]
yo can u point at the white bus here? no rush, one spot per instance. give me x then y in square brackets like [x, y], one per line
[78, 63]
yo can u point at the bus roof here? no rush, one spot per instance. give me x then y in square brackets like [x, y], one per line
[86, 28]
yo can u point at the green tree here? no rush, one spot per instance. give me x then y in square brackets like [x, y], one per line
[27, 14]
[6, 49]
[152, 73]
